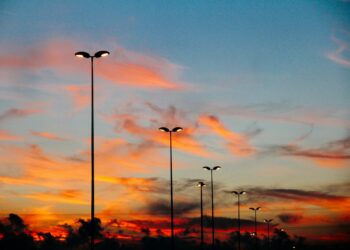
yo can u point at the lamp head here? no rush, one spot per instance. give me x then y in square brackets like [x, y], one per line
[258, 208]
[101, 53]
[177, 129]
[164, 129]
[200, 184]
[206, 168]
[242, 192]
[234, 192]
[82, 54]
[216, 168]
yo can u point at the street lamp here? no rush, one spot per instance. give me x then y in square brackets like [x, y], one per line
[212, 200]
[82, 54]
[255, 231]
[239, 193]
[201, 185]
[268, 231]
[174, 130]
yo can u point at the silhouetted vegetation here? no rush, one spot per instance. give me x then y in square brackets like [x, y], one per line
[15, 235]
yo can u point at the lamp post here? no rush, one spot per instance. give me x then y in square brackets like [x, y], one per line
[268, 221]
[82, 54]
[212, 201]
[174, 130]
[239, 193]
[201, 185]
[255, 227]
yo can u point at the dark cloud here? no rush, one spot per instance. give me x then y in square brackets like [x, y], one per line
[292, 194]
[223, 223]
[15, 113]
[187, 185]
[162, 207]
[342, 143]
[290, 218]
[252, 130]
[334, 150]
[320, 153]
[339, 188]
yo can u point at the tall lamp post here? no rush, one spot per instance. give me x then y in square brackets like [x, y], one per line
[212, 201]
[239, 193]
[201, 185]
[82, 54]
[268, 221]
[255, 209]
[170, 131]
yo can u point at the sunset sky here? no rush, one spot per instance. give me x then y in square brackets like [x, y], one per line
[261, 88]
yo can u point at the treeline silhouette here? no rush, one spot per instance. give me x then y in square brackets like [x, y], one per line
[15, 235]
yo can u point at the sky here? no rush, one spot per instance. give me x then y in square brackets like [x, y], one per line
[261, 89]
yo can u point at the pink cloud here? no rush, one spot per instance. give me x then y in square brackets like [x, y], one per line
[338, 56]
[237, 143]
[47, 135]
[80, 96]
[7, 136]
[122, 67]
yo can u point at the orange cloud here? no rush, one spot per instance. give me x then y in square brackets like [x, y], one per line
[238, 144]
[66, 196]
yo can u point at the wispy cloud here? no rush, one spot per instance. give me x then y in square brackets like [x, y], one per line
[122, 67]
[47, 135]
[66, 196]
[283, 112]
[339, 56]
[334, 154]
[237, 143]
[145, 126]
[7, 136]
[80, 95]
[303, 197]
[16, 113]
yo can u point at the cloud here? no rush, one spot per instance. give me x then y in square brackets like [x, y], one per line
[47, 135]
[80, 96]
[149, 185]
[122, 67]
[237, 143]
[339, 55]
[162, 207]
[128, 119]
[16, 113]
[333, 154]
[283, 112]
[65, 196]
[298, 198]
[7, 136]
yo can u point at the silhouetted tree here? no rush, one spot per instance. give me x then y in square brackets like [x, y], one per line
[14, 236]
[49, 242]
